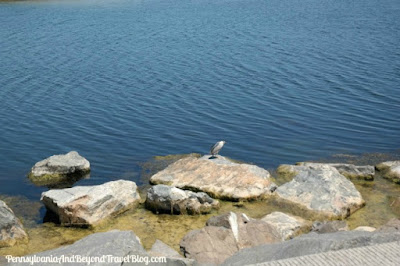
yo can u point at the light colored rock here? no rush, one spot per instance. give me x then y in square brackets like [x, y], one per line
[88, 205]
[219, 177]
[224, 235]
[287, 225]
[351, 171]
[324, 190]
[329, 226]
[365, 228]
[11, 229]
[59, 168]
[311, 243]
[390, 170]
[166, 199]
[160, 249]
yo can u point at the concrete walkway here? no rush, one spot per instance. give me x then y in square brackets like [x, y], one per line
[387, 254]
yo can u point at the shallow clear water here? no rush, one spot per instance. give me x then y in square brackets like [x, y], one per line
[122, 81]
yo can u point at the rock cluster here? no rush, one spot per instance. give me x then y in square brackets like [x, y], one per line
[219, 177]
[224, 235]
[166, 199]
[88, 205]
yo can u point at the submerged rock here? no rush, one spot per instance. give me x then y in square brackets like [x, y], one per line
[329, 226]
[63, 168]
[393, 225]
[390, 170]
[324, 190]
[224, 235]
[88, 205]
[366, 172]
[287, 225]
[219, 177]
[11, 229]
[311, 243]
[166, 199]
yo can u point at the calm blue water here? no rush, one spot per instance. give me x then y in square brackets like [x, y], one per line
[121, 81]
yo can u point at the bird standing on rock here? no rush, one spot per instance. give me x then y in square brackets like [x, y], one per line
[216, 148]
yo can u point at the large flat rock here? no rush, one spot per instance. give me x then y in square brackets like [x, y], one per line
[88, 205]
[311, 243]
[219, 177]
[324, 190]
[59, 168]
[11, 229]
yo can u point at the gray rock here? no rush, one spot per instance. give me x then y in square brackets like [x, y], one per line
[324, 190]
[166, 199]
[224, 235]
[287, 225]
[160, 249]
[366, 172]
[390, 170]
[101, 246]
[220, 178]
[311, 243]
[393, 225]
[329, 226]
[61, 168]
[11, 229]
[88, 205]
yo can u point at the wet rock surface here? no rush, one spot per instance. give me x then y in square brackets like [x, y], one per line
[88, 205]
[226, 234]
[324, 190]
[63, 168]
[311, 243]
[166, 199]
[11, 229]
[390, 170]
[287, 225]
[218, 177]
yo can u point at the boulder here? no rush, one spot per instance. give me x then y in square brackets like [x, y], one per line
[287, 225]
[329, 226]
[88, 205]
[390, 170]
[63, 168]
[219, 177]
[166, 199]
[366, 172]
[224, 235]
[11, 229]
[324, 190]
[311, 243]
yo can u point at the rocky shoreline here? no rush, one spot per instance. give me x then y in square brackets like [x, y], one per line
[196, 186]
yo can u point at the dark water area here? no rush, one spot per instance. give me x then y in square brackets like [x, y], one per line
[122, 81]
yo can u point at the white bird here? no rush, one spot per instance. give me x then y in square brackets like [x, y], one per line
[216, 147]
